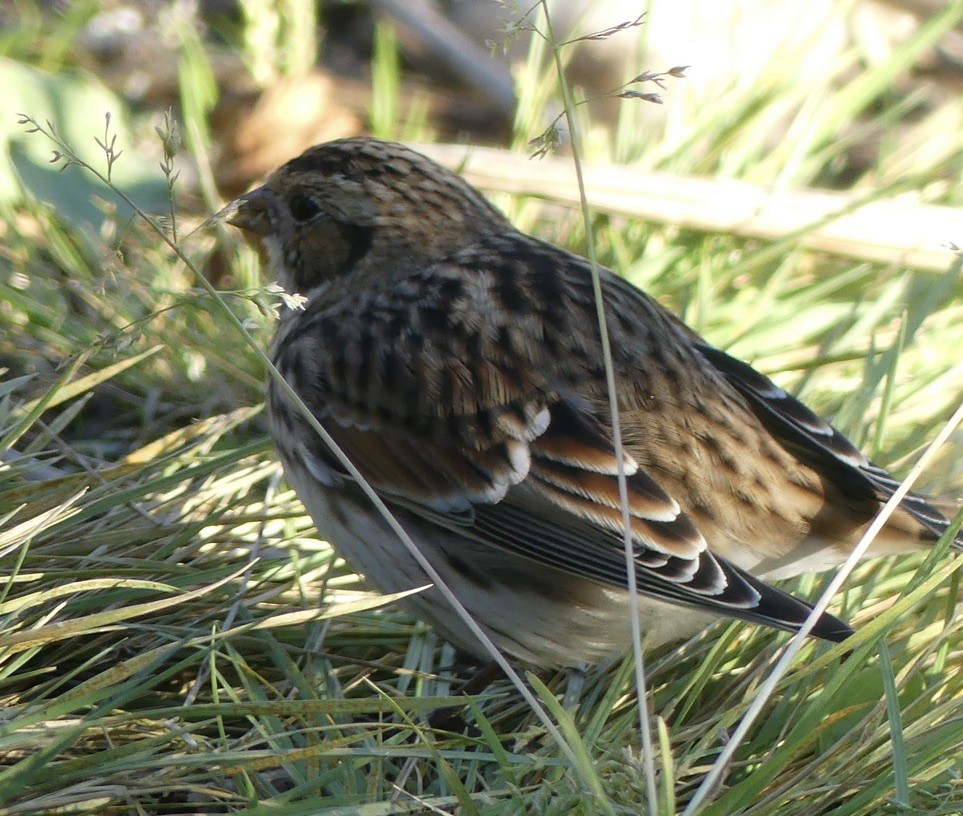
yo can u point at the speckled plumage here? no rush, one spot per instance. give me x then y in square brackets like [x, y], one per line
[457, 362]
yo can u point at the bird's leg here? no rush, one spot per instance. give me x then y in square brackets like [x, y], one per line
[450, 718]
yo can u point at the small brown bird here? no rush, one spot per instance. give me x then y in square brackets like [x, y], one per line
[457, 362]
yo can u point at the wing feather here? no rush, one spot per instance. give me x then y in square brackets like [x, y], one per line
[550, 519]
[818, 443]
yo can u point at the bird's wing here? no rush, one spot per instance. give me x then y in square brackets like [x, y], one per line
[562, 510]
[567, 514]
[467, 433]
[817, 444]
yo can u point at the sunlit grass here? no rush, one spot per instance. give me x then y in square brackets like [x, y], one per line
[175, 637]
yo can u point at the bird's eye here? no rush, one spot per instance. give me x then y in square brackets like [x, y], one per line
[303, 208]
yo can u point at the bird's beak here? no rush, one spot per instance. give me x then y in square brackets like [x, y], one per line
[252, 211]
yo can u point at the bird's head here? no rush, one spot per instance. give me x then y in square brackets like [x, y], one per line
[360, 206]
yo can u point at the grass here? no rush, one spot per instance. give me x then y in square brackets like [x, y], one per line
[175, 638]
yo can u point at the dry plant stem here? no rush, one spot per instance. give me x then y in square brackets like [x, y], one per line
[792, 649]
[376, 501]
[896, 228]
[645, 727]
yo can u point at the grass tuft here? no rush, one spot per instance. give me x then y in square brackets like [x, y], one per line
[174, 637]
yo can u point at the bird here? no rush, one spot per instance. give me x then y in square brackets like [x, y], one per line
[457, 362]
